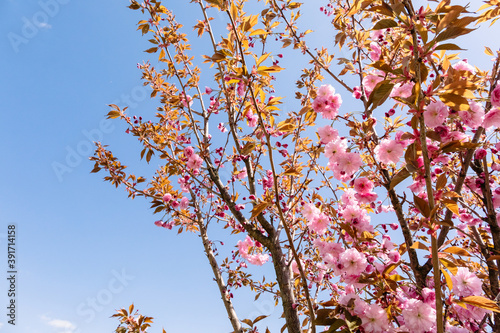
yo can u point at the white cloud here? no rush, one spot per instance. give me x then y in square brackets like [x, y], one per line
[44, 25]
[61, 326]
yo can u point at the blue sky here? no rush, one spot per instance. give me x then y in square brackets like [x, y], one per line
[83, 248]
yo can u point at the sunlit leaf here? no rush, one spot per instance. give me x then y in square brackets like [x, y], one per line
[481, 302]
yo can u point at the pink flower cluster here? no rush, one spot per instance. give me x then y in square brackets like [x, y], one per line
[364, 194]
[252, 119]
[166, 225]
[316, 220]
[182, 204]
[342, 162]
[268, 181]
[194, 161]
[327, 102]
[252, 251]
[465, 284]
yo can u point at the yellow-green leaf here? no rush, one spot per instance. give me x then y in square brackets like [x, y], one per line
[448, 46]
[420, 246]
[451, 205]
[481, 302]
[384, 24]
[292, 172]
[259, 208]
[449, 265]
[455, 101]
[448, 279]
[286, 126]
[258, 32]
[452, 32]
[248, 148]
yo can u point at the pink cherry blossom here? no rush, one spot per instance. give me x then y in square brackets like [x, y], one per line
[327, 102]
[375, 51]
[370, 81]
[320, 223]
[310, 211]
[184, 183]
[471, 313]
[363, 185]
[188, 151]
[221, 127]
[353, 262]
[366, 198]
[242, 174]
[325, 91]
[167, 197]
[186, 101]
[327, 134]
[463, 65]
[454, 136]
[251, 119]
[419, 317]
[295, 266]
[429, 296]
[349, 198]
[256, 257]
[349, 163]
[351, 213]
[389, 151]
[184, 203]
[335, 148]
[402, 90]
[495, 96]
[492, 118]
[394, 256]
[195, 162]
[466, 283]
[375, 319]
[377, 34]
[456, 329]
[241, 88]
[473, 118]
[435, 114]
[356, 92]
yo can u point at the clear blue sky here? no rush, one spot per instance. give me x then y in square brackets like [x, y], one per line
[83, 248]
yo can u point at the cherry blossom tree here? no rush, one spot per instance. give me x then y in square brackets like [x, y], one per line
[377, 217]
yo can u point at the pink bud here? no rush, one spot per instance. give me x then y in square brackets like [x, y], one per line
[480, 154]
